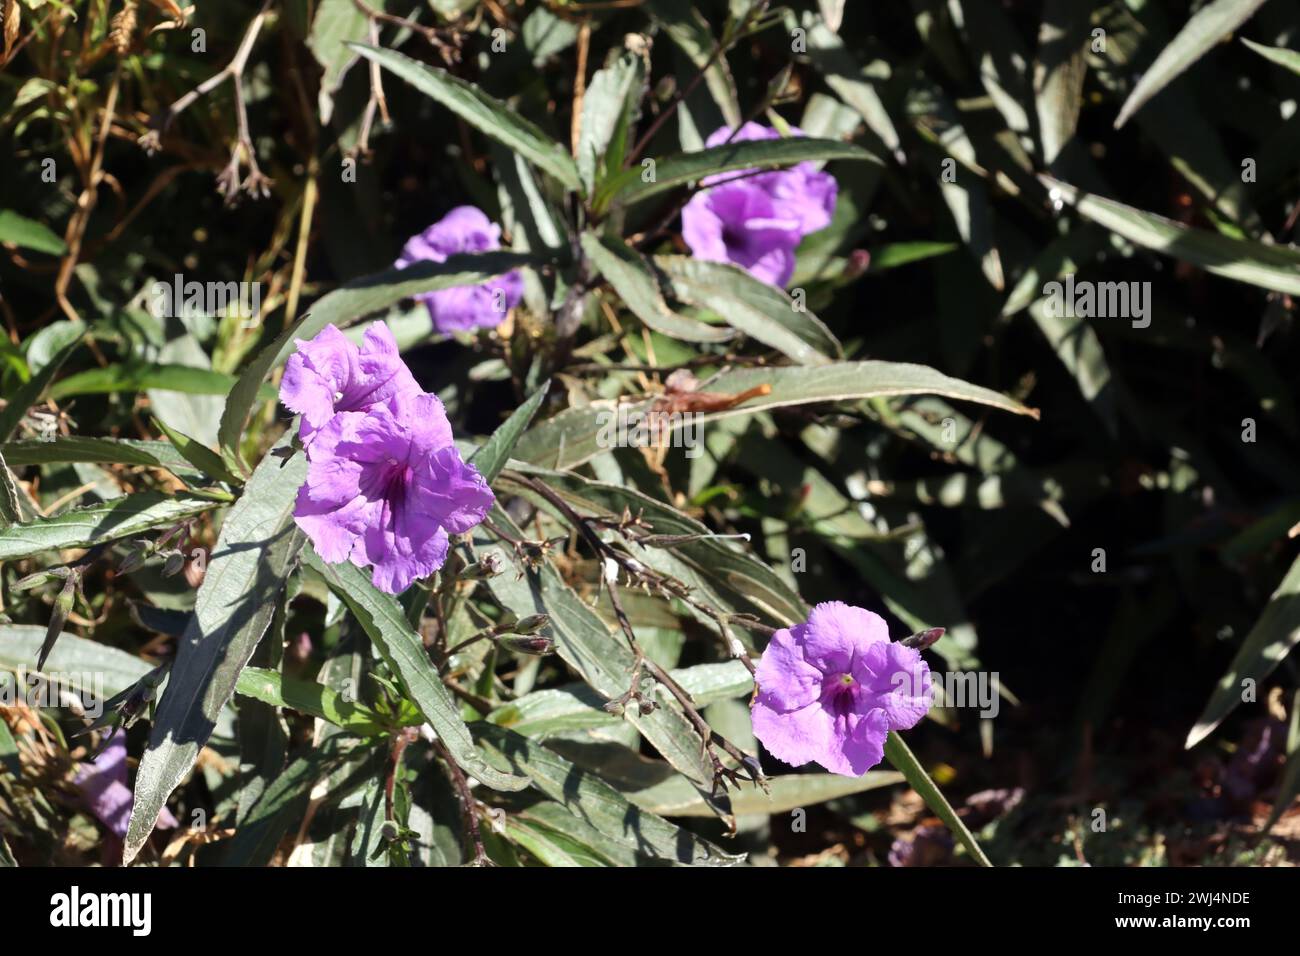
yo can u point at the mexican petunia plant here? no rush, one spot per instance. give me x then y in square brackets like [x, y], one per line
[546, 569]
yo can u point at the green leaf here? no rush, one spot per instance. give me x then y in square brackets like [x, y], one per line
[255, 551]
[628, 187]
[88, 667]
[29, 234]
[691, 32]
[707, 557]
[490, 116]
[308, 697]
[98, 523]
[608, 111]
[1210, 24]
[336, 22]
[73, 448]
[597, 803]
[492, 456]
[600, 658]
[198, 454]
[1274, 635]
[382, 618]
[1276, 54]
[285, 800]
[139, 377]
[572, 437]
[762, 312]
[579, 707]
[900, 755]
[1269, 267]
[675, 798]
[896, 254]
[32, 391]
[632, 279]
[850, 82]
[244, 394]
[1059, 73]
[10, 509]
[368, 294]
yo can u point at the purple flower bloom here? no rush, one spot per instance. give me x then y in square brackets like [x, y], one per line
[831, 689]
[104, 791]
[757, 221]
[328, 374]
[464, 229]
[385, 488]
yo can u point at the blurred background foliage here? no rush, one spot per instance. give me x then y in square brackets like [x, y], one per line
[1173, 448]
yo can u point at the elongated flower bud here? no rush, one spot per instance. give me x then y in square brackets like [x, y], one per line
[536, 645]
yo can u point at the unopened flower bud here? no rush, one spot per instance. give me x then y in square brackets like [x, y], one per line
[488, 566]
[535, 644]
[33, 581]
[614, 707]
[532, 624]
[135, 558]
[175, 563]
[923, 639]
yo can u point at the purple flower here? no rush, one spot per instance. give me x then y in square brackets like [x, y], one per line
[931, 845]
[757, 221]
[386, 487]
[328, 374]
[830, 690]
[464, 229]
[104, 792]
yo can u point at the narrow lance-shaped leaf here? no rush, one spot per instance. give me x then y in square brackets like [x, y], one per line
[900, 755]
[632, 279]
[368, 294]
[10, 510]
[490, 116]
[1269, 267]
[254, 554]
[573, 436]
[100, 523]
[140, 376]
[32, 391]
[86, 666]
[1208, 26]
[234, 416]
[198, 454]
[496, 451]
[611, 100]
[1276, 54]
[1274, 635]
[28, 233]
[637, 184]
[591, 799]
[75, 448]
[382, 618]
[308, 697]
[602, 659]
[755, 308]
